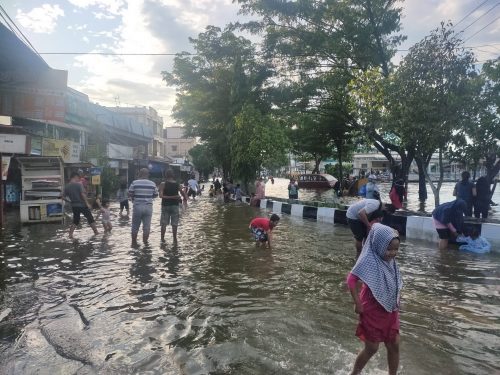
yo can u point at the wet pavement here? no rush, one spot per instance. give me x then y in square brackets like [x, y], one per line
[216, 304]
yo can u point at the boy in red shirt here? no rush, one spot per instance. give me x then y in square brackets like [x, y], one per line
[262, 227]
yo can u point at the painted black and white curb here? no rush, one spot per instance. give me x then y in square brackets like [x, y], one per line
[413, 227]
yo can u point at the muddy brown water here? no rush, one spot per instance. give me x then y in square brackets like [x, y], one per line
[216, 304]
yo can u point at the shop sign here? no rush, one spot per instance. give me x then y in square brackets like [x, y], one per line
[185, 168]
[13, 143]
[95, 175]
[120, 152]
[5, 167]
[68, 151]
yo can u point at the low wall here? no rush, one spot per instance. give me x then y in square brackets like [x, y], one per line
[414, 227]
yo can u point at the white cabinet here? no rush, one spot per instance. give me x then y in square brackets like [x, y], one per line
[42, 189]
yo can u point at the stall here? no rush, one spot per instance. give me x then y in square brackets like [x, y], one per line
[42, 186]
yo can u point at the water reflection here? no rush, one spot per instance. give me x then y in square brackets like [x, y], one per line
[217, 304]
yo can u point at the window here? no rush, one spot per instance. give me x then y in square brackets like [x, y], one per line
[364, 166]
[174, 148]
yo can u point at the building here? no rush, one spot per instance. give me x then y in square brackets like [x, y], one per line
[176, 144]
[153, 156]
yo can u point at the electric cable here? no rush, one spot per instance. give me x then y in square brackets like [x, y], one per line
[477, 19]
[472, 11]
[477, 32]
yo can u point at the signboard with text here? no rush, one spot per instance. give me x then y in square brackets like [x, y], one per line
[120, 152]
[68, 151]
[13, 143]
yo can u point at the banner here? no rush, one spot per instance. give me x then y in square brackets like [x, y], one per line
[120, 152]
[68, 151]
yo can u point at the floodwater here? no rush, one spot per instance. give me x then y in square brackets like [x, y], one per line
[279, 190]
[216, 304]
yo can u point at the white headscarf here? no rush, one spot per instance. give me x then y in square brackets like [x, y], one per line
[382, 277]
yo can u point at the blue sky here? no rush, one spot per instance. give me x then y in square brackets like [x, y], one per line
[163, 26]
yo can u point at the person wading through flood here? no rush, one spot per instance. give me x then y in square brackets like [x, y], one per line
[79, 205]
[142, 192]
[170, 194]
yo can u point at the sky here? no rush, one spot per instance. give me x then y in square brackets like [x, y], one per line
[164, 26]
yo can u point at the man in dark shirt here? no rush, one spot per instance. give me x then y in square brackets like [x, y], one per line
[76, 194]
[170, 199]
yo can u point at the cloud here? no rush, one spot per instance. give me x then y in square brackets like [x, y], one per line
[41, 20]
[112, 7]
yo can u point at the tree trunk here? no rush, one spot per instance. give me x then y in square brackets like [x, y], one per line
[316, 165]
[422, 186]
[339, 157]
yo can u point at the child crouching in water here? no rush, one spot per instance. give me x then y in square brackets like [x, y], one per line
[378, 303]
[262, 227]
[105, 214]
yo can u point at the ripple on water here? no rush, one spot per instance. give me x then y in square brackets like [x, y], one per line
[216, 303]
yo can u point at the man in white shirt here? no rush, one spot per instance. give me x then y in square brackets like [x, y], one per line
[142, 192]
[193, 187]
[360, 217]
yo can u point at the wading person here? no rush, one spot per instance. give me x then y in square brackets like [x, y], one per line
[375, 285]
[448, 220]
[142, 192]
[482, 198]
[75, 192]
[465, 190]
[262, 228]
[359, 217]
[170, 194]
[122, 197]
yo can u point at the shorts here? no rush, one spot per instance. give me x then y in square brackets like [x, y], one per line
[259, 234]
[444, 233]
[192, 192]
[358, 229]
[170, 215]
[142, 213]
[124, 204]
[83, 211]
[106, 222]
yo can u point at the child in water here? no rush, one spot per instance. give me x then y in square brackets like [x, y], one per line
[237, 193]
[105, 214]
[211, 191]
[262, 228]
[376, 273]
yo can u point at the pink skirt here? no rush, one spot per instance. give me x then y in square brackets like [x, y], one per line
[376, 324]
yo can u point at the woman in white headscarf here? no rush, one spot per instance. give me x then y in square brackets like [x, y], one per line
[377, 273]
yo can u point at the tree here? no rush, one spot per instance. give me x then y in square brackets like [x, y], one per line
[430, 98]
[321, 44]
[213, 85]
[202, 159]
[258, 141]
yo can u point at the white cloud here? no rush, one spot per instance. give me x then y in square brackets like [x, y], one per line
[42, 19]
[133, 78]
[109, 6]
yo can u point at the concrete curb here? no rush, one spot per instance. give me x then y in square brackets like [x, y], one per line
[413, 227]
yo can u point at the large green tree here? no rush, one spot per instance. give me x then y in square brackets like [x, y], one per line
[321, 46]
[430, 97]
[213, 85]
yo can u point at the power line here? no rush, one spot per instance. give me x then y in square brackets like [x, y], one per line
[26, 40]
[477, 32]
[477, 19]
[472, 11]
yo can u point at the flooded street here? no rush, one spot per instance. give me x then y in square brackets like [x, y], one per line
[216, 304]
